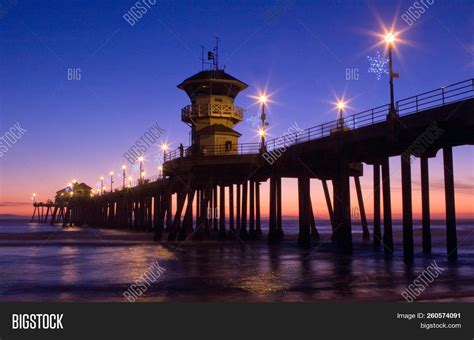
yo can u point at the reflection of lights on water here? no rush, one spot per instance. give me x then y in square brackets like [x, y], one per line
[268, 283]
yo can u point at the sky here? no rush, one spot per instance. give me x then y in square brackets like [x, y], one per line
[85, 83]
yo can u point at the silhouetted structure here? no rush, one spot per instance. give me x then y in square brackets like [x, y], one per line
[210, 174]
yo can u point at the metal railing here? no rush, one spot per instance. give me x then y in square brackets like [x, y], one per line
[439, 97]
[132, 184]
[215, 150]
[411, 105]
[212, 110]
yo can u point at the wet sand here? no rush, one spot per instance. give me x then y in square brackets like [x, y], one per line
[44, 263]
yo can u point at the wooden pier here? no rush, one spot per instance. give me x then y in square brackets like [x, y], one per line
[217, 193]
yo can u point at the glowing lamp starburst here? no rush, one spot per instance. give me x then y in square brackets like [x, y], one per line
[341, 105]
[390, 38]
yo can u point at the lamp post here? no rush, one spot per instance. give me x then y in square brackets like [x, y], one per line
[130, 182]
[140, 159]
[160, 171]
[164, 147]
[263, 116]
[102, 184]
[389, 40]
[111, 181]
[123, 176]
[340, 106]
[33, 197]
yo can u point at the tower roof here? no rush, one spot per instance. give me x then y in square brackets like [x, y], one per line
[212, 82]
[218, 128]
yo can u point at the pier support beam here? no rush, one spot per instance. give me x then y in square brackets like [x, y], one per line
[181, 197]
[149, 213]
[451, 237]
[408, 251]
[377, 231]
[244, 235]
[387, 208]
[160, 209]
[314, 231]
[363, 217]
[328, 203]
[238, 205]
[425, 205]
[252, 235]
[198, 206]
[279, 227]
[272, 223]
[142, 210]
[187, 225]
[342, 208]
[231, 209]
[215, 222]
[222, 229]
[169, 212]
[304, 235]
[258, 227]
[202, 224]
[34, 213]
[156, 210]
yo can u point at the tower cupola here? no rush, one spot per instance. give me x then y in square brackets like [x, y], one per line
[212, 114]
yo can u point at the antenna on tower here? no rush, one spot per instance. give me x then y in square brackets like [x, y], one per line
[214, 56]
[202, 58]
[216, 51]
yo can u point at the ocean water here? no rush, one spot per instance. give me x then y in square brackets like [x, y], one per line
[51, 263]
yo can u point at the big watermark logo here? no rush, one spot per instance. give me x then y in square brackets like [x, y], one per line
[414, 12]
[137, 11]
[287, 138]
[142, 144]
[422, 143]
[10, 138]
[422, 282]
[141, 285]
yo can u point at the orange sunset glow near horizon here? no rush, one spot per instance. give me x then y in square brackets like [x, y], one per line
[16, 198]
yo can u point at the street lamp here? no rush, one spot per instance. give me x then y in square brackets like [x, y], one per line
[130, 181]
[390, 40]
[160, 171]
[102, 184]
[140, 159]
[341, 106]
[34, 197]
[263, 100]
[123, 176]
[111, 180]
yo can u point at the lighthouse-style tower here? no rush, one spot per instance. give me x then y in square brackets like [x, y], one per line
[212, 114]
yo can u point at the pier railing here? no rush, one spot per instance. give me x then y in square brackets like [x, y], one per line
[404, 107]
[439, 97]
[215, 150]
